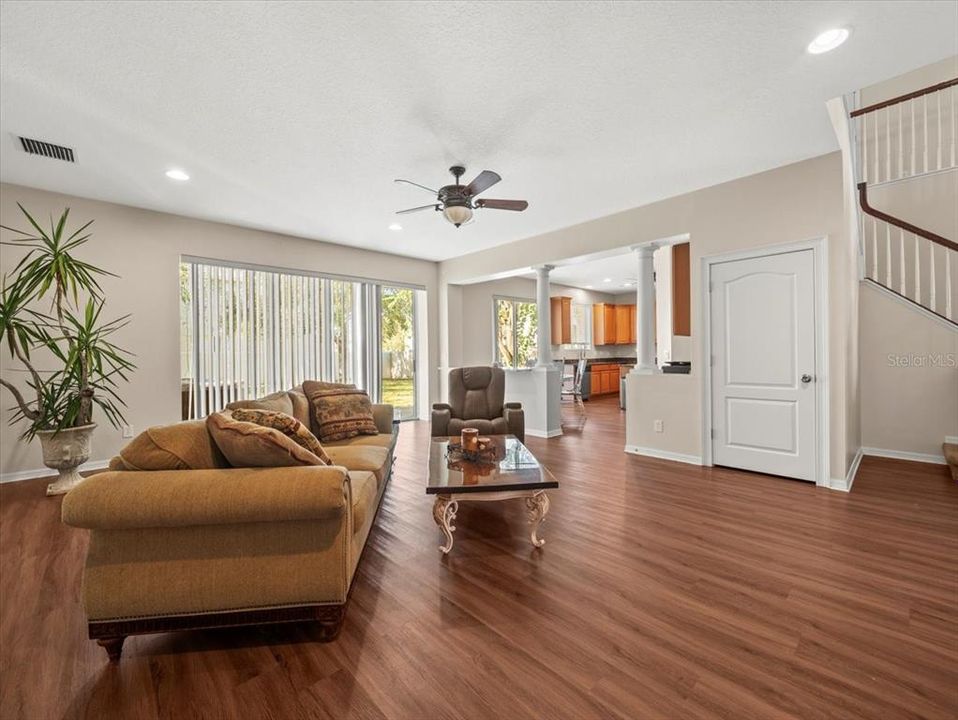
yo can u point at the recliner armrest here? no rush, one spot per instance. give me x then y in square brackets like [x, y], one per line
[441, 415]
[516, 420]
[513, 405]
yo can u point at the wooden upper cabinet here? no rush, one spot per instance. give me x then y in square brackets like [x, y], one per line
[561, 316]
[624, 328]
[603, 324]
[681, 291]
[632, 324]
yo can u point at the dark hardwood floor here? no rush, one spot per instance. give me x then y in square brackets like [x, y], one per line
[664, 591]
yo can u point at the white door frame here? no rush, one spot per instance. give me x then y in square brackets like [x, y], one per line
[819, 248]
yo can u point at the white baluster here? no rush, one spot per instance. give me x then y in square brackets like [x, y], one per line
[947, 284]
[888, 143]
[954, 123]
[917, 274]
[932, 300]
[888, 257]
[877, 150]
[901, 147]
[901, 259]
[864, 148]
[924, 166]
[914, 134]
[874, 274]
[941, 140]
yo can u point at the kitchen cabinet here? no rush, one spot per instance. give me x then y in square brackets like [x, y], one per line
[624, 328]
[605, 378]
[603, 324]
[561, 316]
[681, 291]
[632, 324]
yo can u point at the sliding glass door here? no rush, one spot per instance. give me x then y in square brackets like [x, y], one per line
[397, 332]
[246, 332]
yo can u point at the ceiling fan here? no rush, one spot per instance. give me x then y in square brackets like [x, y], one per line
[458, 201]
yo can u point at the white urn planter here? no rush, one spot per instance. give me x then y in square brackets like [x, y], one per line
[66, 450]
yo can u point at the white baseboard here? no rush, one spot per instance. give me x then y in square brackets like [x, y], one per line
[905, 455]
[845, 484]
[951, 439]
[544, 433]
[664, 454]
[47, 472]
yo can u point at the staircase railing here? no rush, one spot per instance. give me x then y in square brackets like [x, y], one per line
[919, 137]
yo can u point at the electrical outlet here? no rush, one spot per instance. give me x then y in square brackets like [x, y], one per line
[658, 426]
[127, 431]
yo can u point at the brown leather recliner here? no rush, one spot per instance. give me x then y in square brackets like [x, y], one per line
[476, 400]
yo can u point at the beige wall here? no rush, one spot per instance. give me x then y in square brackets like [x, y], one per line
[909, 393]
[789, 204]
[144, 249]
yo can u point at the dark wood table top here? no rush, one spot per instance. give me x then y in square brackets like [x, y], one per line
[511, 466]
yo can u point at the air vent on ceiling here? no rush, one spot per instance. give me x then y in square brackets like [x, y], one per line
[38, 147]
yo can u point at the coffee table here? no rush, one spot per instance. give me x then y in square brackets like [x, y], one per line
[513, 472]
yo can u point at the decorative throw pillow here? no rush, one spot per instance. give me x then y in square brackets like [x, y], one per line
[286, 424]
[340, 412]
[247, 444]
[180, 446]
[277, 402]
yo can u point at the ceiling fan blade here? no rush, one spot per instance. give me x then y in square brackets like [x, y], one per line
[417, 209]
[517, 205]
[484, 180]
[410, 182]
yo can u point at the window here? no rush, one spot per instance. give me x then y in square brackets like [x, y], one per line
[515, 322]
[398, 340]
[246, 332]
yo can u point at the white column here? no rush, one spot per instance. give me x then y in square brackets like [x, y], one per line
[645, 311]
[544, 334]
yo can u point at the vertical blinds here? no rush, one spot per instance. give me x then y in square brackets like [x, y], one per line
[248, 332]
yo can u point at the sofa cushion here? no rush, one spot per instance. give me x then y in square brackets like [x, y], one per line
[286, 424]
[180, 446]
[364, 497]
[499, 426]
[340, 412]
[381, 440]
[277, 402]
[361, 457]
[302, 410]
[247, 444]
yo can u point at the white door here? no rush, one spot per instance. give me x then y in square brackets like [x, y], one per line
[763, 364]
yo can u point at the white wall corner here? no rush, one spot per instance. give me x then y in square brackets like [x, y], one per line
[845, 484]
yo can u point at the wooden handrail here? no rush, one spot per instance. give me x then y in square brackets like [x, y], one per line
[906, 226]
[902, 98]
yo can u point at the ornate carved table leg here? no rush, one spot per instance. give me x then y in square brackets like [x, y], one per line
[538, 506]
[444, 512]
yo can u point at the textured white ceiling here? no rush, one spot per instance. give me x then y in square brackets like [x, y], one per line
[295, 117]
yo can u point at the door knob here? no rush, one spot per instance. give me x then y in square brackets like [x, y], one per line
[806, 378]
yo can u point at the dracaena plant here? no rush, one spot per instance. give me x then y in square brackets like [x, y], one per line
[72, 333]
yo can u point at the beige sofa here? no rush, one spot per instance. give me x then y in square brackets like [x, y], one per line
[199, 544]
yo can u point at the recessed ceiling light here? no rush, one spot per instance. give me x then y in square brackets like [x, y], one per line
[607, 280]
[627, 284]
[828, 40]
[588, 287]
[176, 174]
[395, 227]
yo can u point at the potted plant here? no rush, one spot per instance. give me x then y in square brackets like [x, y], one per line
[73, 337]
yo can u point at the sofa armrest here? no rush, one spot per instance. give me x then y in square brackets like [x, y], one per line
[441, 415]
[383, 416]
[516, 420]
[180, 498]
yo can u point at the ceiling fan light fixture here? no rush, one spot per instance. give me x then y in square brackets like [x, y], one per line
[457, 214]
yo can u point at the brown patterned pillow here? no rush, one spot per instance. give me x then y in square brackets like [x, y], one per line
[340, 412]
[286, 424]
[247, 444]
